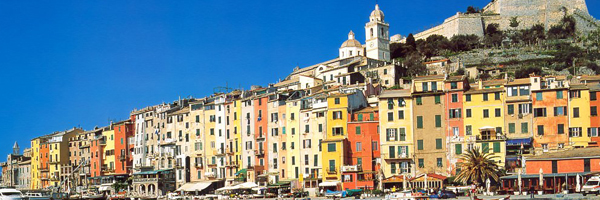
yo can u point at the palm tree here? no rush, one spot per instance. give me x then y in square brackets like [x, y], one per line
[477, 167]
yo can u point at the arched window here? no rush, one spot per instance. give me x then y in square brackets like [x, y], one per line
[371, 32]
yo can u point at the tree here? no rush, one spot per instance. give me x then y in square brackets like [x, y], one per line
[534, 34]
[567, 54]
[464, 42]
[493, 35]
[566, 28]
[525, 71]
[471, 10]
[415, 65]
[477, 167]
[514, 22]
[410, 41]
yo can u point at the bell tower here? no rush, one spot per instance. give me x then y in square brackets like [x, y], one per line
[378, 37]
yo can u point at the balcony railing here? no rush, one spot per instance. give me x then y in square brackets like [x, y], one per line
[142, 180]
[331, 171]
[491, 137]
[351, 168]
[122, 157]
[259, 152]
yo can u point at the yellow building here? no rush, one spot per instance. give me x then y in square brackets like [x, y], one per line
[210, 170]
[395, 123]
[237, 132]
[333, 144]
[59, 155]
[35, 164]
[484, 119]
[108, 166]
[292, 126]
[579, 115]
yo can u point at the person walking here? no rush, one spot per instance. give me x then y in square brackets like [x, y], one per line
[531, 192]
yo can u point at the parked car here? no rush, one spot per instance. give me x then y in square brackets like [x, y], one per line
[592, 186]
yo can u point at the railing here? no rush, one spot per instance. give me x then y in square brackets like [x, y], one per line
[490, 137]
[331, 171]
[167, 142]
[139, 180]
[102, 142]
[351, 168]
[259, 152]
[122, 157]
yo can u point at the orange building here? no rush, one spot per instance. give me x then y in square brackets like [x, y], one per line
[360, 166]
[594, 118]
[260, 134]
[124, 131]
[44, 164]
[455, 133]
[550, 119]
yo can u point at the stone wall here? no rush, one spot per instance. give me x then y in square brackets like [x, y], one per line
[528, 13]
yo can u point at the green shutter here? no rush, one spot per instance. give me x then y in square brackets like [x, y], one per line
[419, 101]
[469, 129]
[360, 117]
[419, 121]
[524, 127]
[392, 152]
[438, 99]
[511, 109]
[458, 148]
[485, 147]
[438, 143]
[438, 121]
[372, 117]
[511, 127]
[358, 130]
[559, 94]
[496, 147]
[420, 144]
[402, 134]
[407, 154]
[468, 97]
[539, 96]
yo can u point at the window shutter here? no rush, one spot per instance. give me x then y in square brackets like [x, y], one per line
[395, 135]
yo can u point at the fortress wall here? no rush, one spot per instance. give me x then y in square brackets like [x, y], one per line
[459, 24]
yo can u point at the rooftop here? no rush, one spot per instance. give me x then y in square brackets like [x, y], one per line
[569, 154]
[394, 93]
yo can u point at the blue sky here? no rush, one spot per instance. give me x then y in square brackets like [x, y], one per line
[83, 63]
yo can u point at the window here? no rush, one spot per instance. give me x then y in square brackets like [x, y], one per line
[485, 97]
[512, 91]
[400, 114]
[486, 113]
[402, 134]
[575, 132]
[337, 101]
[390, 116]
[545, 149]
[592, 132]
[468, 97]
[337, 115]
[393, 167]
[358, 147]
[540, 129]
[332, 165]
[560, 111]
[593, 96]
[458, 149]
[434, 86]
[438, 99]
[336, 130]
[539, 112]
[419, 101]
[511, 127]
[523, 90]
[575, 94]
[392, 151]
[390, 104]
[497, 147]
[419, 121]
[497, 96]
[559, 94]
[421, 163]
[560, 128]
[497, 112]
[357, 130]
[539, 96]
[419, 144]
[469, 130]
[320, 128]
[453, 85]
[439, 162]
[524, 127]
[455, 131]
[510, 109]
[438, 121]
[485, 147]
[424, 84]
[594, 111]
[576, 112]
[454, 98]
[468, 113]
[454, 113]
[331, 147]
[438, 143]
[391, 134]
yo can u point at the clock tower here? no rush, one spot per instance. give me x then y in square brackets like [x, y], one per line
[378, 38]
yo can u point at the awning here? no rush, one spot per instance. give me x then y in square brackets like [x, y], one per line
[329, 184]
[226, 188]
[558, 175]
[515, 142]
[151, 172]
[487, 128]
[243, 171]
[246, 185]
[192, 187]
[104, 188]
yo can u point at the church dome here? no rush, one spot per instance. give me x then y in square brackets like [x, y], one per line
[377, 15]
[351, 42]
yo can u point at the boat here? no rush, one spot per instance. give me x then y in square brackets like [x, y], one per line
[11, 194]
[405, 195]
[92, 196]
[37, 196]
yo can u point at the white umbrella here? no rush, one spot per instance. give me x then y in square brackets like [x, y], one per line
[487, 185]
[541, 179]
[519, 181]
[578, 183]
[426, 181]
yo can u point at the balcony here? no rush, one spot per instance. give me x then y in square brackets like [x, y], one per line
[231, 164]
[261, 137]
[259, 152]
[229, 151]
[84, 146]
[401, 156]
[489, 137]
[54, 162]
[199, 166]
[44, 169]
[351, 168]
[331, 171]
[122, 157]
[102, 142]
[144, 180]
[211, 164]
[179, 166]
[167, 142]
[219, 152]
[210, 174]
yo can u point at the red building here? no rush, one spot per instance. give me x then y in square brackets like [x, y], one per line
[97, 153]
[455, 133]
[260, 134]
[44, 165]
[124, 132]
[595, 118]
[360, 166]
[557, 168]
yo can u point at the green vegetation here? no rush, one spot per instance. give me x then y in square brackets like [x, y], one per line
[477, 167]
